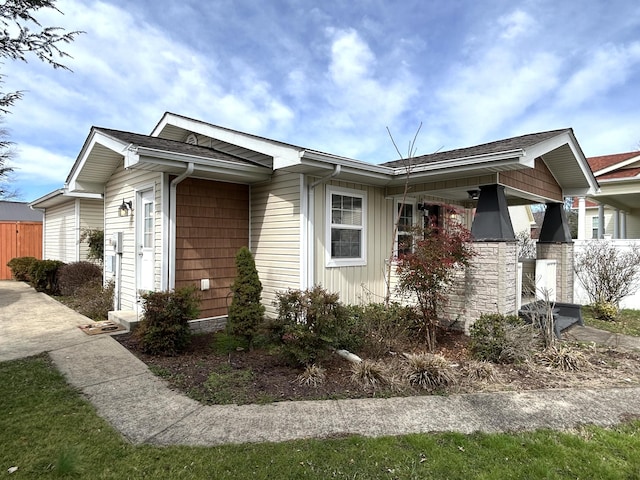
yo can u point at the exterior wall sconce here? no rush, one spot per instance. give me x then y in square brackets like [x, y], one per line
[125, 209]
[473, 194]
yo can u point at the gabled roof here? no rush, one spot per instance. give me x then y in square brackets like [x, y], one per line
[619, 178]
[558, 149]
[161, 144]
[607, 162]
[18, 212]
[514, 144]
[105, 149]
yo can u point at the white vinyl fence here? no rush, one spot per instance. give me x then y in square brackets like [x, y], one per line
[580, 296]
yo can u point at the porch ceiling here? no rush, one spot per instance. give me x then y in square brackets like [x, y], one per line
[619, 193]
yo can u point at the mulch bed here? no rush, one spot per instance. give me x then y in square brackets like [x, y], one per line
[266, 377]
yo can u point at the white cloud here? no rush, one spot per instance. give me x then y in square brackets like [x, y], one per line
[515, 24]
[500, 85]
[41, 166]
[607, 67]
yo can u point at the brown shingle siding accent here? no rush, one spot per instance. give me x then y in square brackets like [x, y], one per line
[212, 224]
[537, 180]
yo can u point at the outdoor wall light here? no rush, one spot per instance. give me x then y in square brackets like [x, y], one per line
[473, 194]
[125, 209]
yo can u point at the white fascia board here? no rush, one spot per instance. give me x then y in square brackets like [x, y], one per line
[546, 146]
[288, 154]
[466, 163]
[94, 138]
[346, 162]
[617, 166]
[565, 138]
[151, 155]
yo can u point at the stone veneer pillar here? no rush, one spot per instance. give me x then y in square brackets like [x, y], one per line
[488, 286]
[563, 254]
[555, 243]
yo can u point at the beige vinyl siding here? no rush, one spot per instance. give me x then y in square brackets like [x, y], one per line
[356, 284]
[275, 234]
[123, 185]
[91, 218]
[60, 233]
[632, 222]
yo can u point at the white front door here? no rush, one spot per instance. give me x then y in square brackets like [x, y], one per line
[145, 241]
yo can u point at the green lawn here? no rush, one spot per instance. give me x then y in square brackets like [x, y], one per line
[627, 323]
[49, 431]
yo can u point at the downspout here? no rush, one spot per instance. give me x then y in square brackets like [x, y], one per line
[310, 223]
[173, 186]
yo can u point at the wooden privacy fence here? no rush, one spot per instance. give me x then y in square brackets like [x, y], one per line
[18, 239]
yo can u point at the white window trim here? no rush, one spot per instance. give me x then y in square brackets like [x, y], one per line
[396, 215]
[345, 262]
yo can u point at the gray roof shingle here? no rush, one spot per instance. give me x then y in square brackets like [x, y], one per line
[505, 145]
[172, 146]
[18, 212]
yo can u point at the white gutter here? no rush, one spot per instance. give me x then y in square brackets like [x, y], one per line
[310, 257]
[172, 223]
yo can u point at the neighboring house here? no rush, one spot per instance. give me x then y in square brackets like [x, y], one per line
[67, 215]
[20, 234]
[180, 202]
[614, 210]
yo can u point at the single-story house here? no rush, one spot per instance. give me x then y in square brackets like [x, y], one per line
[180, 202]
[20, 234]
[614, 210]
[66, 216]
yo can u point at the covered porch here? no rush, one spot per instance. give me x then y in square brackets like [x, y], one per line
[486, 180]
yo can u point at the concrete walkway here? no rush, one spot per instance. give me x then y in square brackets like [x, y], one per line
[144, 410]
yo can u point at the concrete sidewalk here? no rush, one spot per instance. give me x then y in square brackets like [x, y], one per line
[144, 410]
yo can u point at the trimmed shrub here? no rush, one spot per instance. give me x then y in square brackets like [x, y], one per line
[43, 275]
[384, 328]
[20, 267]
[313, 322]
[164, 329]
[489, 337]
[604, 311]
[246, 312]
[92, 299]
[74, 275]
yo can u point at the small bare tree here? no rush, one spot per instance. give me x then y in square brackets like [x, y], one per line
[411, 151]
[607, 273]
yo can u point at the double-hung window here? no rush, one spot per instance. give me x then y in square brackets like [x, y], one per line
[346, 227]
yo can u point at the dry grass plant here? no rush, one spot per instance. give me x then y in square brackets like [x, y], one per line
[567, 358]
[521, 341]
[480, 371]
[429, 371]
[371, 374]
[313, 376]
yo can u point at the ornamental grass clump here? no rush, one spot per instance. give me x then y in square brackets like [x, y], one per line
[429, 371]
[480, 371]
[565, 357]
[312, 376]
[371, 374]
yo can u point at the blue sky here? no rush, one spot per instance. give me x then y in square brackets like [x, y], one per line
[332, 75]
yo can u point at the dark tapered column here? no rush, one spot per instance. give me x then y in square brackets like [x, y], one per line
[555, 228]
[492, 222]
